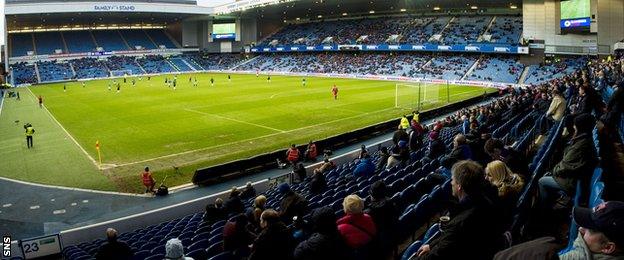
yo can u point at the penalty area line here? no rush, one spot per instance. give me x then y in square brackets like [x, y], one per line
[234, 120]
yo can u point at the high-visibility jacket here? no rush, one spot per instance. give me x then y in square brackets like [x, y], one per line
[404, 123]
[30, 131]
[147, 179]
[312, 151]
[293, 154]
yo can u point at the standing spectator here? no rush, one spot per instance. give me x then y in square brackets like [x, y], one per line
[292, 154]
[248, 192]
[292, 204]
[601, 232]
[114, 249]
[325, 243]
[214, 212]
[311, 153]
[318, 183]
[148, 180]
[175, 250]
[30, 131]
[274, 242]
[356, 227]
[385, 216]
[578, 162]
[40, 99]
[234, 205]
[473, 223]
[300, 172]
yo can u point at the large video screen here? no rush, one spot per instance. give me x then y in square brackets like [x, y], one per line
[575, 13]
[224, 31]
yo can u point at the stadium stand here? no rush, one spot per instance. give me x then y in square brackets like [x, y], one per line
[110, 40]
[24, 73]
[213, 61]
[180, 64]
[21, 44]
[448, 67]
[124, 63]
[79, 41]
[155, 64]
[49, 42]
[88, 68]
[54, 71]
[501, 69]
[160, 38]
[506, 30]
[465, 29]
[137, 38]
[545, 72]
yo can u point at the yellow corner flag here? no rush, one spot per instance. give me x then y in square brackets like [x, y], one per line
[97, 147]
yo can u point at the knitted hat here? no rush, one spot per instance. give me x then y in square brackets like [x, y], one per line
[433, 135]
[174, 249]
[284, 188]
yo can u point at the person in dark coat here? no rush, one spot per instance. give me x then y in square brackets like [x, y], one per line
[214, 212]
[461, 151]
[436, 147]
[236, 235]
[318, 183]
[292, 204]
[579, 160]
[114, 249]
[385, 215]
[300, 172]
[383, 158]
[234, 205]
[473, 231]
[399, 135]
[275, 240]
[325, 243]
[248, 192]
[515, 160]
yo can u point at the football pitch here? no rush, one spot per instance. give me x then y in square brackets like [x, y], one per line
[153, 125]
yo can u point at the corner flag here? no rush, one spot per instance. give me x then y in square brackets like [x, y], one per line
[97, 147]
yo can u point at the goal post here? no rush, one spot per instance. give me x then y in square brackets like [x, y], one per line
[417, 95]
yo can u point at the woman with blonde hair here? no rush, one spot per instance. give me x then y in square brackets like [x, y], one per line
[508, 184]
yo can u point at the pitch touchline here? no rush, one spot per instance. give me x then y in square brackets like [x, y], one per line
[251, 139]
[65, 130]
[235, 120]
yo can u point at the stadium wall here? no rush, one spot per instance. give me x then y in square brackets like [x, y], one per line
[610, 19]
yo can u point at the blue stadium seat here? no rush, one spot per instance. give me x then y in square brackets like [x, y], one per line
[156, 257]
[214, 249]
[222, 256]
[411, 250]
[201, 244]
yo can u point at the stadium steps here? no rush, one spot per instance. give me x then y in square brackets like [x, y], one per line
[524, 75]
[194, 64]
[71, 66]
[175, 68]
[94, 41]
[188, 64]
[123, 39]
[489, 27]
[469, 71]
[150, 38]
[64, 42]
[37, 73]
[243, 63]
[441, 33]
[139, 65]
[32, 36]
[172, 39]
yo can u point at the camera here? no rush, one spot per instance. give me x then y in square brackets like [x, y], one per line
[27, 125]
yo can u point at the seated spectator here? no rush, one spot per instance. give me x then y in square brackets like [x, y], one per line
[215, 212]
[399, 135]
[114, 249]
[253, 213]
[236, 236]
[248, 192]
[275, 240]
[325, 243]
[508, 184]
[385, 215]
[292, 204]
[292, 154]
[175, 250]
[601, 232]
[513, 159]
[613, 115]
[545, 248]
[461, 151]
[364, 168]
[325, 166]
[318, 184]
[383, 158]
[356, 227]
[578, 162]
[300, 172]
[557, 106]
[473, 223]
[415, 138]
[436, 146]
[311, 153]
[399, 155]
[234, 205]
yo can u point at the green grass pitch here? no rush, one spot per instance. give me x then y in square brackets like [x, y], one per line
[575, 9]
[190, 127]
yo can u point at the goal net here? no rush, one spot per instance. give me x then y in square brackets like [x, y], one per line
[418, 95]
[120, 73]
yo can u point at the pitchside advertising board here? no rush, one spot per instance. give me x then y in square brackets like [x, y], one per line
[480, 48]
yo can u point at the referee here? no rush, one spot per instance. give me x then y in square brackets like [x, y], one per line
[29, 135]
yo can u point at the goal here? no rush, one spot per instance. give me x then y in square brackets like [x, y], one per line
[418, 95]
[120, 73]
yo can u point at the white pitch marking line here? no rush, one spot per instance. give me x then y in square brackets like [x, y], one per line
[53, 200]
[65, 130]
[59, 211]
[85, 201]
[272, 96]
[34, 207]
[235, 120]
[7, 205]
[74, 204]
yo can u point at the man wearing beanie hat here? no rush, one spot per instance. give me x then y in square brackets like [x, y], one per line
[436, 147]
[292, 204]
[578, 162]
[601, 232]
[175, 250]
